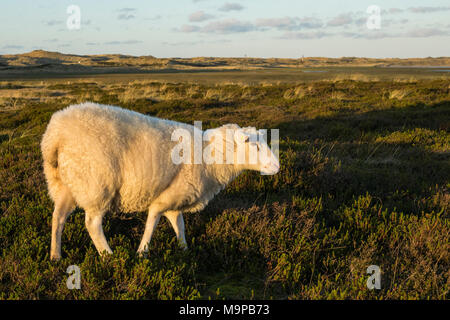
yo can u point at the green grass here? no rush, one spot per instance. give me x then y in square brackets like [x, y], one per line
[251, 76]
[364, 181]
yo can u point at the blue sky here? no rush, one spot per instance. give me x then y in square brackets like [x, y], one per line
[258, 28]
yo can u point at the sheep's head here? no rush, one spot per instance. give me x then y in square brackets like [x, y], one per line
[245, 148]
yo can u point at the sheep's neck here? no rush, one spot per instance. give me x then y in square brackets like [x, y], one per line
[223, 174]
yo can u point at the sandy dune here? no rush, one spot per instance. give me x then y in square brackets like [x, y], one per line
[40, 61]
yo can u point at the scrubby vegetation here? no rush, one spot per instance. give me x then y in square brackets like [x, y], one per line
[364, 181]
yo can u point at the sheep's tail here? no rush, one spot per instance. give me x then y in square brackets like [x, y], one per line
[49, 147]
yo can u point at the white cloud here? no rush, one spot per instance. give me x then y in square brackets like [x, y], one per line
[200, 16]
[51, 23]
[289, 23]
[228, 26]
[127, 10]
[190, 28]
[122, 42]
[127, 13]
[426, 32]
[395, 10]
[428, 9]
[231, 7]
[279, 23]
[126, 16]
[341, 20]
[222, 27]
[306, 35]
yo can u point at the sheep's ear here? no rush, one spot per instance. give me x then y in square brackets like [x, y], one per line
[241, 137]
[250, 130]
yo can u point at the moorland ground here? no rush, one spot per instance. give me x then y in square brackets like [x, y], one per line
[364, 180]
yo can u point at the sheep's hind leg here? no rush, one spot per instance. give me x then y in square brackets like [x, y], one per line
[177, 222]
[95, 229]
[64, 205]
[154, 214]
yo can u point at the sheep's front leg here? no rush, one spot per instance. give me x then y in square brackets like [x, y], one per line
[154, 214]
[95, 229]
[177, 222]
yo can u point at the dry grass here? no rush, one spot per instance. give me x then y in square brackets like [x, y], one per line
[399, 94]
[364, 180]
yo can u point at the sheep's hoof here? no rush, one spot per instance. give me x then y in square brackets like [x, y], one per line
[55, 257]
[105, 255]
[142, 254]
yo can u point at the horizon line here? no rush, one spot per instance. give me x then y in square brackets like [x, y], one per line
[224, 57]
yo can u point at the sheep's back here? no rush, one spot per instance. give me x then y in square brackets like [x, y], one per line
[112, 155]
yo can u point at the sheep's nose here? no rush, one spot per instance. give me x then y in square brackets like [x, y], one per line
[272, 168]
[276, 164]
[276, 167]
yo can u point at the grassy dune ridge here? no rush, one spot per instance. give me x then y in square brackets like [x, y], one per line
[365, 168]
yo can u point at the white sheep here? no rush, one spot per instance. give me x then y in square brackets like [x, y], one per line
[102, 157]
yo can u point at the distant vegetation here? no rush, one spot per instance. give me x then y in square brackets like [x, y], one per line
[38, 62]
[365, 168]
